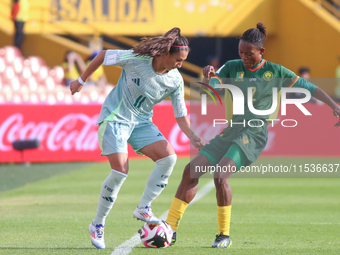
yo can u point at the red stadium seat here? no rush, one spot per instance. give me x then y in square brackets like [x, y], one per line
[15, 83]
[34, 99]
[11, 52]
[57, 73]
[50, 83]
[85, 99]
[77, 97]
[16, 98]
[2, 98]
[7, 92]
[68, 99]
[42, 94]
[26, 73]
[36, 63]
[18, 64]
[92, 92]
[24, 89]
[32, 84]
[9, 73]
[42, 74]
[2, 65]
[101, 98]
[25, 97]
[2, 52]
[7, 89]
[51, 99]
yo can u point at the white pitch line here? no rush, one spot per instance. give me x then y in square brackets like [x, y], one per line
[296, 223]
[126, 247]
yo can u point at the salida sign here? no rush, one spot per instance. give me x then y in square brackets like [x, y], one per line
[102, 10]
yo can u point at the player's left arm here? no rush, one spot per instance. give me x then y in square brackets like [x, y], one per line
[184, 125]
[180, 110]
[292, 80]
[324, 97]
[318, 93]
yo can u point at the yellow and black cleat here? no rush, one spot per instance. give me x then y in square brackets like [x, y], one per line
[173, 240]
[222, 241]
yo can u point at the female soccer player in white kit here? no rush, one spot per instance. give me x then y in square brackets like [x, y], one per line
[149, 76]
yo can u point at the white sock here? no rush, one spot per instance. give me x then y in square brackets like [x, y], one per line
[157, 180]
[108, 195]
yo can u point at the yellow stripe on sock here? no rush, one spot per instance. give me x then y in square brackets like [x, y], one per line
[223, 216]
[176, 212]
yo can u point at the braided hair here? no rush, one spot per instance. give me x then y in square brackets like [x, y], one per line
[256, 35]
[172, 42]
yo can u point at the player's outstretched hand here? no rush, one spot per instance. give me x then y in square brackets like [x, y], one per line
[336, 113]
[208, 71]
[75, 86]
[197, 141]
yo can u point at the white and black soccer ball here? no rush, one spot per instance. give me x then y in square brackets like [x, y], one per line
[156, 236]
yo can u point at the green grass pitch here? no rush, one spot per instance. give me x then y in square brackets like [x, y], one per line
[46, 209]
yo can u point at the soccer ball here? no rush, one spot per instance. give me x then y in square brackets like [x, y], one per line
[156, 236]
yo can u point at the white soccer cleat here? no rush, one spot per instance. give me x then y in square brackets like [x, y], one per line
[97, 235]
[145, 214]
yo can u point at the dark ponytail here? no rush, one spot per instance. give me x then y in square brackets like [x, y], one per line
[172, 42]
[256, 35]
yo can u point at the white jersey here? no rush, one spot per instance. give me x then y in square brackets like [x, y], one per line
[139, 88]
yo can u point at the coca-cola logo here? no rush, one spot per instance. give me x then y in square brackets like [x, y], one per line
[74, 131]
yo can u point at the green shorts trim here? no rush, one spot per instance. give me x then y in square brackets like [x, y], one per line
[237, 155]
[211, 159]
[234, 153]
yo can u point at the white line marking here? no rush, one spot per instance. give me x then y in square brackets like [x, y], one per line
[298, 223]
[126, 247]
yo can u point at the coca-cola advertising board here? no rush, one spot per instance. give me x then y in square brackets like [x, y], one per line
[69, 132]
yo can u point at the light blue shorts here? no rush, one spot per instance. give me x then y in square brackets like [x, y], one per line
[113, 137]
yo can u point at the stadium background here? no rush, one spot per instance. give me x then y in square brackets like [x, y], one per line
[301, 33]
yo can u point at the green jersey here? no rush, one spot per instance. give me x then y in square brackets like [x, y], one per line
[262, 79]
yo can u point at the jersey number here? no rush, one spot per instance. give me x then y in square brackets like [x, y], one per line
[254, 90]
[139, 101]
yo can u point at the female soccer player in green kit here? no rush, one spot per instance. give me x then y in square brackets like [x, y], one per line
[239, 145]
[149, 76]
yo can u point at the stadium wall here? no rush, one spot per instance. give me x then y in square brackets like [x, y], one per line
[304, 39]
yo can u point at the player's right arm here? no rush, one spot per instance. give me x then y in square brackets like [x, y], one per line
[208, 73]
[75, 86]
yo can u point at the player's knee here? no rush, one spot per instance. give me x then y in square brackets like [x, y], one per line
[168, 161]
[186, 172]
[187, 177]
[165, 166]
[221, 183]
